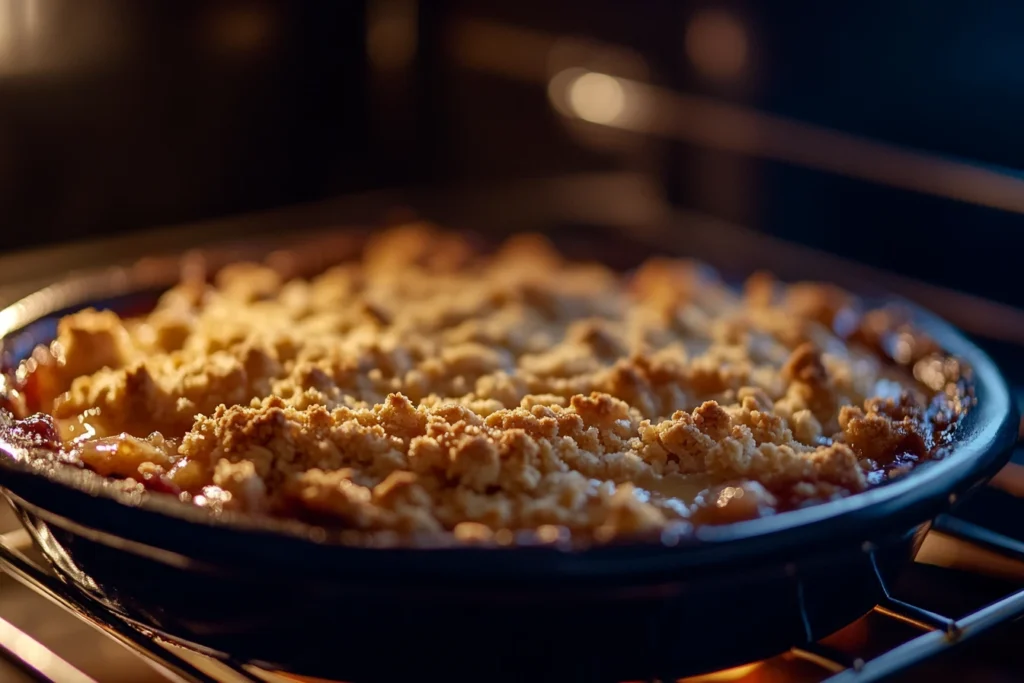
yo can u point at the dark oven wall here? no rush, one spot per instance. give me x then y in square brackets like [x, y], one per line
[118, 115]
[941, 78]
[937, 84]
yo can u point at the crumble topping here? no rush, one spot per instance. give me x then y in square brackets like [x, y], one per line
[431, 387]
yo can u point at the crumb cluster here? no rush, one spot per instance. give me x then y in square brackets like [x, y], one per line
[428, 387]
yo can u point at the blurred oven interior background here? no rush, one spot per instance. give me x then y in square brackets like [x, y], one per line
[884, 132]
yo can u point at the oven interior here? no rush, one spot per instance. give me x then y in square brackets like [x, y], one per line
[873, 144]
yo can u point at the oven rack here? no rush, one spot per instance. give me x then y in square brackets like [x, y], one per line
[938, 633]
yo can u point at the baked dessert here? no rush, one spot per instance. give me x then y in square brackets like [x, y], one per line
[431, 388]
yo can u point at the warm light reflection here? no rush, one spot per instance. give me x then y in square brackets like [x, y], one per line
[242, 29]
[391, 39]
[736, 673]
[728, 494]
[597, 98]
[942, 550]
[594, 97]
[31, 650]
[717, 44]
[1010, 479]
[19, 35]
[302, 679]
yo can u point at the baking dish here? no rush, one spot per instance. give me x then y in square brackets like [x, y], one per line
[653, 608]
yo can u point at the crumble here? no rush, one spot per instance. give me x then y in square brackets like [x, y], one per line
[431, 387]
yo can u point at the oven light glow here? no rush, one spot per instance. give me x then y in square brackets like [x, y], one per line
[597, 98]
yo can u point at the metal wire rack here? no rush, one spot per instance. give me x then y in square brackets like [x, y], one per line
[936, 633]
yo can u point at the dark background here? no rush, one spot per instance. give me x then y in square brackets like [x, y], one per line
[119, 115]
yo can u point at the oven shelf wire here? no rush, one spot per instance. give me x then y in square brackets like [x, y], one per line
[174, 668]
[939, 633]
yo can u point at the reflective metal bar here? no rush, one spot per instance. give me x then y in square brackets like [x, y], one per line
[22, 648]
[934, 643]
[174, 668]
[636, 106]
[826, 657]
[904, 611]
[909, 614]
[943, 633]
[18, 540]
[980, 536]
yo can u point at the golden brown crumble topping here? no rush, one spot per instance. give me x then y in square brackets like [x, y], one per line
[432, 388]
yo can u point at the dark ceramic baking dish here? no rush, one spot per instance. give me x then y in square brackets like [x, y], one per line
[653, 608]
